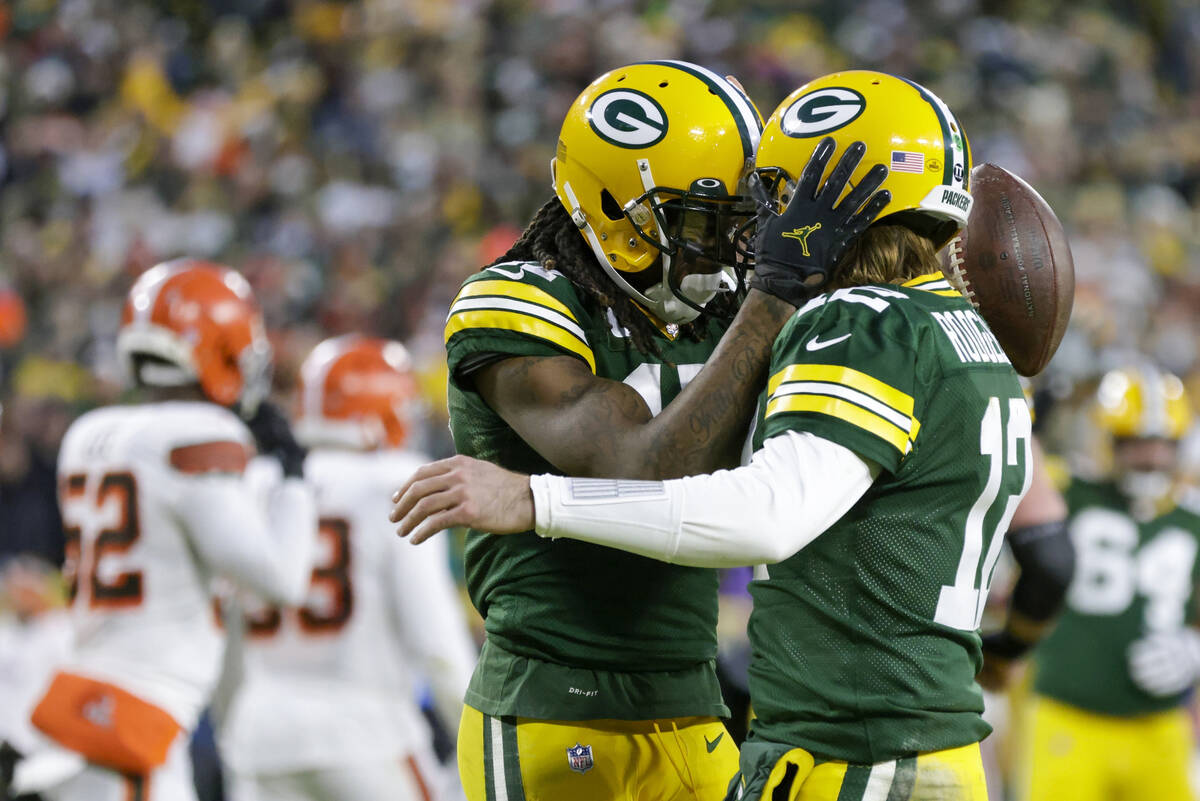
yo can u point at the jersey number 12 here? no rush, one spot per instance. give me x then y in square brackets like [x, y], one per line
[960, 605]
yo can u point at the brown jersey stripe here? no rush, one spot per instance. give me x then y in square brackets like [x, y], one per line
[210, 457]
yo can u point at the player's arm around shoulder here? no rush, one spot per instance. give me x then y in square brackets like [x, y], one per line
[262, 541]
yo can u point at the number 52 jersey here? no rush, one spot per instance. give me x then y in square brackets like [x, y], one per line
[865, 640]
[154, 505]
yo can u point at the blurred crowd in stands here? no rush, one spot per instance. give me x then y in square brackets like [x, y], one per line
[356, 160]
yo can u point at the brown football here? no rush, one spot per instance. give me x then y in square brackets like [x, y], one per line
[1012, 262]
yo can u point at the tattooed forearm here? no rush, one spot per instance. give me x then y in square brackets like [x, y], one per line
[586, 426]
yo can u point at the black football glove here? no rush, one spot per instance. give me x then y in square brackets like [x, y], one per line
[273, 436]
[797, 250]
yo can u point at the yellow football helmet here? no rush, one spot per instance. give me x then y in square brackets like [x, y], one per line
[903, 125]
[650, 165]
[1143, 401]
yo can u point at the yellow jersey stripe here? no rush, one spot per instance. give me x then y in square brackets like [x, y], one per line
[846, 376]
[927, 278]
[845, 411]
[896, 418]
[515, 289]
[523, 323]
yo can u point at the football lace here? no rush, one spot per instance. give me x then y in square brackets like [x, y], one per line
[958, 277]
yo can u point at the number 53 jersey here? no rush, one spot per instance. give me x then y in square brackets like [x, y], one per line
[866, 644]
[336, 680]
[1131, 578]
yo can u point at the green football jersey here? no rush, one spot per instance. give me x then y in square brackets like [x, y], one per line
[865, 641]
[575, 631]
[1131, 578]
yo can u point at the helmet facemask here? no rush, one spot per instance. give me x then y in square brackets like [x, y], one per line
[693, 231]
[650, 159]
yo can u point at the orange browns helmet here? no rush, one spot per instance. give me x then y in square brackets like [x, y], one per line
[356, 392]
[189, 321]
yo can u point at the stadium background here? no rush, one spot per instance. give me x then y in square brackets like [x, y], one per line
[357, 160]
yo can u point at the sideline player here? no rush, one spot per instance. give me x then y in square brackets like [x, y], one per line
[580, 351]
[155, 504]
[1109, 716]
[327, 710]
[892, 447]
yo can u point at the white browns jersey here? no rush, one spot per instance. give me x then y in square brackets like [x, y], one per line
[336, 679]
[155, 504]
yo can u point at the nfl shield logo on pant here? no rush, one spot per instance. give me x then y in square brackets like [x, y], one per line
[580, 758]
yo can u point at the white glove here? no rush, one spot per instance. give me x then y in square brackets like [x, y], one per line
[1165, 663]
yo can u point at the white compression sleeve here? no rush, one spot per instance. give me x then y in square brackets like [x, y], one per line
[794, 488]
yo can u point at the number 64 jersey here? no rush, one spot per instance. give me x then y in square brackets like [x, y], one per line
[1132, 578]
[865, 640]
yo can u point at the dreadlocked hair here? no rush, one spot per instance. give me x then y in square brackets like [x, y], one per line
[553, 241]
[886, 254]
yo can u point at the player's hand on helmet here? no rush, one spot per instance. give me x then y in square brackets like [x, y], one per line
[273, 436]
[461, 491]
[1165, 663]
[796, 250]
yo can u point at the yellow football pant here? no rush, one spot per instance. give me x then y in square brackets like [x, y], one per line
[1076, 755]
[955, 774]
[521, 759]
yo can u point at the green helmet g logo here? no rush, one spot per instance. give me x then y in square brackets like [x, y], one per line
[628, 118]
[822, 111]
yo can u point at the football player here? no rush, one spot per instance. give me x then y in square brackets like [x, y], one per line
[580, 351]
[1109, 718]
[892, 446]
[155, 504]
[328, 705]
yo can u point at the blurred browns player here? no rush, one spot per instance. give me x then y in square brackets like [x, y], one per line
[155, 504]
[1109, 716]
[892, 446]
[580, 351]
[327, 709]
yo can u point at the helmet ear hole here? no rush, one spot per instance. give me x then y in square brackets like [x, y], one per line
[610, 206]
